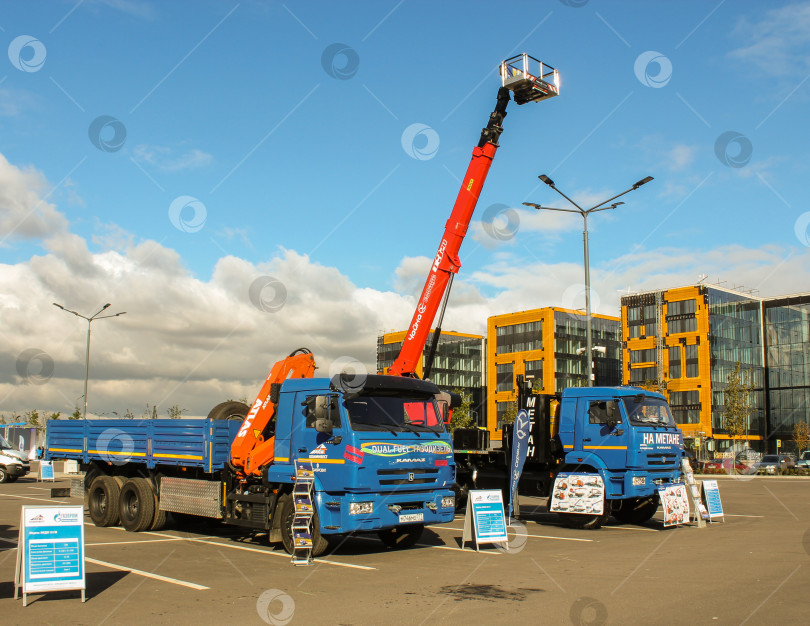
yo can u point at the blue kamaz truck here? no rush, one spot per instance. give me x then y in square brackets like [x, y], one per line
[619, 442]
[371, 455]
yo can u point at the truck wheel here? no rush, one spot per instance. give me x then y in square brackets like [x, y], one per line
[637, 510]
[3, 475]
[585, 522]
[230, 410]
[319, 543]
[102, 500]
[137, 505]
[161, 517]
[401, 537]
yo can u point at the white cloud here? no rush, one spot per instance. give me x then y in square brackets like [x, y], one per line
[24, 210]
[164, 158]
[776, 42]
[194, 342]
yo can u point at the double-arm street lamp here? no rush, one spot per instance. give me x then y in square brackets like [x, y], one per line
[95, 316]
[599, 207]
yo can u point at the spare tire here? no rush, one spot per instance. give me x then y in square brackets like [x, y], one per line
[229, 410]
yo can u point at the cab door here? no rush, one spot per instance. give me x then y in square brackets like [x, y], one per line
[604, 432]
[324, 450]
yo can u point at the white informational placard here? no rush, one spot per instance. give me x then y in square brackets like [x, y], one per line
[46, 470]
[71, 467]
[675, 503]
[711, 491]
[485, 521]
[50, 550]
[578, 493]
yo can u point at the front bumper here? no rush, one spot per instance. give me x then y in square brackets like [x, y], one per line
[389, 511]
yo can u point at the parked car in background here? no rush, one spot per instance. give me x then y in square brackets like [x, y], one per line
[790, 459]
[804, 460]
[772, 464]
[727, 465]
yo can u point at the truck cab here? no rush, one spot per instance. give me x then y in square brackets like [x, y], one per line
[380, 454]
[627, 435]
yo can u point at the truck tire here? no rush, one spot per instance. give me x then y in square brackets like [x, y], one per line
[3, 474]
[161, 517]
[636, 510]
[230, 410]
[320, 544]
[102, 500]
[137, 505]
[401, 537]
[583, 522]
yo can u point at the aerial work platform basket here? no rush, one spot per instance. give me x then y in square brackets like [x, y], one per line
[529, 79]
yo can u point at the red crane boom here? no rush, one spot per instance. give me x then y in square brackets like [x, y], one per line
[527, 87]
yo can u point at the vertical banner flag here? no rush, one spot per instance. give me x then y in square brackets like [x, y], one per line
[520, 447]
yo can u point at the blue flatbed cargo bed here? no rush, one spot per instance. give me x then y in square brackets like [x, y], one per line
[199, 443]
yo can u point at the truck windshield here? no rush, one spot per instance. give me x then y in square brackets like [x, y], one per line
[394, 414]
[642, 409]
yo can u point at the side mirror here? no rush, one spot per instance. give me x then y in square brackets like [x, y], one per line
[322, 413]
[323, 425]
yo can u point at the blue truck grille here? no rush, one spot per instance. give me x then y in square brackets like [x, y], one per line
[662, 459]
[407, 476]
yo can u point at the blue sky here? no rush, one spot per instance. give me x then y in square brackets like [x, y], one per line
[293, 160]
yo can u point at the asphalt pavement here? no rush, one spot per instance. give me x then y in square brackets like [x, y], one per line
[751, 568]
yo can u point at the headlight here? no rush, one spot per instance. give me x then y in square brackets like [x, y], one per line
[449, 502]
[361, 508]
[639, 480]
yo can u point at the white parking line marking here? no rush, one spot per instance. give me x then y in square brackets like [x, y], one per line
[738, 515]
[166, 579]
[246, 548]
[649, 530]
[535, 536]
[57, 500]
[120, 543]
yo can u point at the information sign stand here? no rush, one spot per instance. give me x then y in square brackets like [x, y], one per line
[485, 521]
[46, 471]
[711, 492]
[50, 550]
[698, 509]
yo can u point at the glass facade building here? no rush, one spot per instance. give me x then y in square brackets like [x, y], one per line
[543, 344]
[786, 322]
[685, 342]
[457, 364]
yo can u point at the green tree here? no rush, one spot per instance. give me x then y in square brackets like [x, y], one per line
[801, 435]
[150, 413]
[175, 412]
[737, 396]
[55, 416]
[76, 415]
[32, 419]
[511, 413]
[462, 415]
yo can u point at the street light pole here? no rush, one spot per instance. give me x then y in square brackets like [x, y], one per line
[90, 319]
[599, 207]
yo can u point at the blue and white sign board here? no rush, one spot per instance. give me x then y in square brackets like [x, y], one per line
[46, 470]
[711, 492]
[50, 550]
[485, 521]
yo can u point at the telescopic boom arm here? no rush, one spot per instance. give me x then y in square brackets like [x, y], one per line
[520, 76]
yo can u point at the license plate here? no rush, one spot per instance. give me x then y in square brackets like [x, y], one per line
[411, 517]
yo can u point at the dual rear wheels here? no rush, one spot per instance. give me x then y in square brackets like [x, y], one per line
[132, 502]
